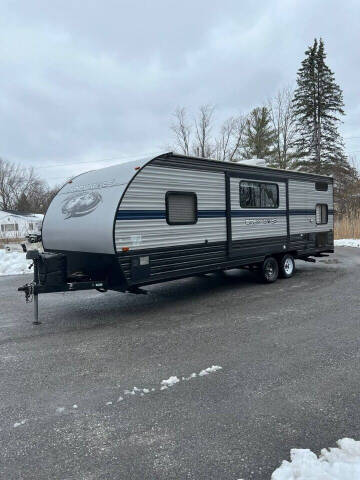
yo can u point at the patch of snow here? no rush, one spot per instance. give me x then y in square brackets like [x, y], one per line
[169, 382]
[129, 392]
[208, 370]
[13, 263]
[347, 242]
[18, 424]
[340, 463]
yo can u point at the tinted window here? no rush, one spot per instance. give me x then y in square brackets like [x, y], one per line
[321, 186]
[250, 195]
[259, 195]
[269, 195]
[181, 208]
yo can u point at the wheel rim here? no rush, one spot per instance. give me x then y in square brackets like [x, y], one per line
[269, 270]
[288, 266]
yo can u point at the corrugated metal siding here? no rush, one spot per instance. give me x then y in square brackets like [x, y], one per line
[269, 225]
[179, 261]
[304, 196]
[147, 194]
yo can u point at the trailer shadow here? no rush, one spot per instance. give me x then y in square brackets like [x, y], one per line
[170, 301]
[102, 309]
[185, 297]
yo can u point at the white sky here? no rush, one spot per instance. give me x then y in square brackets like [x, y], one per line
[88, 81]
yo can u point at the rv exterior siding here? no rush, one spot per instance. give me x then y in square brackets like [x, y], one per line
[303, 198]
[141, 218]
[125, 219]
[180, 250]
[250, 223]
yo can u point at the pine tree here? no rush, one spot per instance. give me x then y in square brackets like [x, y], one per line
[259, 135]
[318, 106]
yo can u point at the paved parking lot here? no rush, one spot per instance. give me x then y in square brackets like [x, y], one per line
[290, 376]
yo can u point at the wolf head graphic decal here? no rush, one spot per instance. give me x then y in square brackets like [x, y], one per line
[80, 204]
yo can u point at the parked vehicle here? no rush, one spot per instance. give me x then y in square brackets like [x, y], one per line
[172, 216]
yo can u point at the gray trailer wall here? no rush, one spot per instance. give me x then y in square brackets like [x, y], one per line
[303, 198]
[141, 220]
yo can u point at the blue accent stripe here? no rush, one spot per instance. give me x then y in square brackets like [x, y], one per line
[211, 213]
[300, 211]
[156, 214]
[140, 214]
[307, 212]
[161, 214]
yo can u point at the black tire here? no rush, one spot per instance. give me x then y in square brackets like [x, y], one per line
[286, 266]
[269, 270]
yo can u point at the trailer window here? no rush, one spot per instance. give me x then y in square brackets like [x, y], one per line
[181, 208]
[259, 195]
[322, 214]
[321, 186]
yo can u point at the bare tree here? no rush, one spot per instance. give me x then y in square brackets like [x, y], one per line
[203, 145]
[230, 140]
[182, 130]
[197, 138]
[21, 189]
[13, 180]
[283, 121]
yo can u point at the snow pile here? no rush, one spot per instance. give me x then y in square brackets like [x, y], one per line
[208, 370]
[13, 263]
[169, 382]
[347, 242]
[193, 375]
[18, 424]
[341, 463]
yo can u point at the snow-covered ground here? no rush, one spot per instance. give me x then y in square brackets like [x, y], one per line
[347, 242]
[13, 263]
[340, 463]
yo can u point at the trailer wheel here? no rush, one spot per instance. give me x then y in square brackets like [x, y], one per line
[286, 266]
[269, 270]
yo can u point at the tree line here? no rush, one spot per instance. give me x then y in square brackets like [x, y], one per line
[296, 129]
[22, 190]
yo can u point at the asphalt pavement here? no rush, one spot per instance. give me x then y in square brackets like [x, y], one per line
[290, 376]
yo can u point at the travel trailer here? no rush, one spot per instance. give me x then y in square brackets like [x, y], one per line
[172, 216]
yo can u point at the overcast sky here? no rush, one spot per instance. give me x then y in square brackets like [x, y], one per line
[89, 81]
